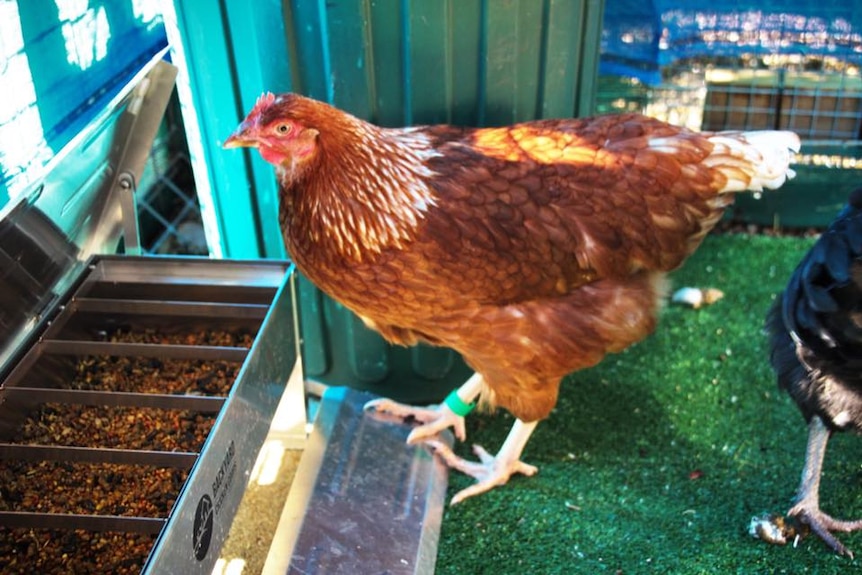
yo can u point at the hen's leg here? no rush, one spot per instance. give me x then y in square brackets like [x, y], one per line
[807, 507]
[433, 419]
[490, 472]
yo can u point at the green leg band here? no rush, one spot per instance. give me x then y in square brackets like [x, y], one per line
[457, 405]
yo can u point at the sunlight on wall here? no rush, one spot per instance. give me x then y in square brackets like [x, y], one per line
[22, 141]
[85, 30]
[43, 59]
[146, 10]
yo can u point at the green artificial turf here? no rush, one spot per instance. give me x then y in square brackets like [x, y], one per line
[656, 460]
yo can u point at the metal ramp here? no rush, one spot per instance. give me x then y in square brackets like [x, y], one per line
[362, 501]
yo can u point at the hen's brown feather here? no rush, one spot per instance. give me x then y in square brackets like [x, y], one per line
[533, 249]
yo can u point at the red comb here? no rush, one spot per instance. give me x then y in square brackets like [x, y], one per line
[264, 101]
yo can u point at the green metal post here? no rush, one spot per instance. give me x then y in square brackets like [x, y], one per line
[231, 52]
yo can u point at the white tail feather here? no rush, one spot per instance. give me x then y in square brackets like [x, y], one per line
[754, 160]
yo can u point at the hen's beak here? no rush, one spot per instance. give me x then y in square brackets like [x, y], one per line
[241, 138]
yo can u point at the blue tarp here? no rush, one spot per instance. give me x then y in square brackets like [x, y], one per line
[640, 37]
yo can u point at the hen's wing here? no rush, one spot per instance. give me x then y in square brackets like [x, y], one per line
[539, 209]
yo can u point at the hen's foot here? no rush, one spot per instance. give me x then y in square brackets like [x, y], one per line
[432, 420]
[823, 525]
[489, 471]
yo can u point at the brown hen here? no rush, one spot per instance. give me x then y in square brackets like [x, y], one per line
[533, 249]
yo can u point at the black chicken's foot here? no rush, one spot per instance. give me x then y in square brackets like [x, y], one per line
[823, 525]
[807, 508]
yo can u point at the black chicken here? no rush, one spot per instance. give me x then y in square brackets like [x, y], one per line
[816, 341]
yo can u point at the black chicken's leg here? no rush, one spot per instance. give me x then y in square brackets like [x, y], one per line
[807, 507]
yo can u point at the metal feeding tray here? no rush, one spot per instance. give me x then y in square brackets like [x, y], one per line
[218, 337]
[135, 392]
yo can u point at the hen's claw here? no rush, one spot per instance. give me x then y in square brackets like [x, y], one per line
[823, 525]
[489, 472]
[432, 419]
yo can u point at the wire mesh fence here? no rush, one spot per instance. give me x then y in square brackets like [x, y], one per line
[813, 100]
[731, 66]
[168, 210]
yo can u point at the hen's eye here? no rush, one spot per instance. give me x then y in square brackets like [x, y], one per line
[282, 128]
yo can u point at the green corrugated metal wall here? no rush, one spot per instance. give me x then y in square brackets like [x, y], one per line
[474, 62]
[399, 62]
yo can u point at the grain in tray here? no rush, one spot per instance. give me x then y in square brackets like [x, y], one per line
[111, 489]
